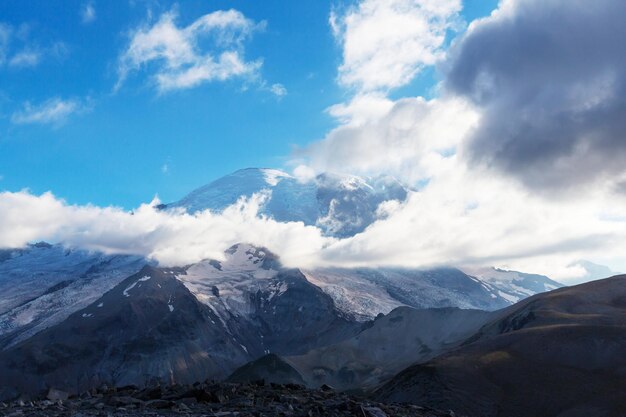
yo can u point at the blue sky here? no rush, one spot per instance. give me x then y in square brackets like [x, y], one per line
[114, 147]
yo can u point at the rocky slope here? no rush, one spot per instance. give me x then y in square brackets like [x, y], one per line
[391, 343]
[554, 354]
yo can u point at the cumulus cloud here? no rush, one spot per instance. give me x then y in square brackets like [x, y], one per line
[408, 138]
[386, 42]
[550, 81]
[208, 49]
[54, 111]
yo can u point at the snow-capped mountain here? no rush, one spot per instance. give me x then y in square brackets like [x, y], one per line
[341, 205]
[44, 284]
[123, 319]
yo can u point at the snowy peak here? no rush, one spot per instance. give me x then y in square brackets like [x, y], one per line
[226, 285]
[511, 285]
[341, 205]
[246, 257]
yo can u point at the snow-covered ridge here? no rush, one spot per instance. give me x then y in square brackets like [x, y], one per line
[511, 285]
[227, 284]
[341, 205]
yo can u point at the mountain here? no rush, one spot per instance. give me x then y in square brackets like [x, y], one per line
[149, 327]
[592, 271]
[269, 368]
[179, 325]
[366, 292]
[42, 284]
[512, 285]
[340, 205]
[390, 344]
[555, 354]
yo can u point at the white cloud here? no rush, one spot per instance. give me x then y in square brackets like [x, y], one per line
[463, 213]
[468, 216]
[53, 111]
[165, 168]
[87, 13]
[209, 49]
[25, 58]
[408, 138]
[461, 218]
[19, 50]
[278, 90]
[387, 42]
[172, 238]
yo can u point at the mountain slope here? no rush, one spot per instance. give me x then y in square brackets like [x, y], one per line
[388, 345]
[42, 284]
[269, 368]
[366, 292]
[286, 313]
[555, 354]
[147, 328]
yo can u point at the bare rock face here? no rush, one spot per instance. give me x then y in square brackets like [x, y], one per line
[388, 345]
[57, 395]
[554, 354]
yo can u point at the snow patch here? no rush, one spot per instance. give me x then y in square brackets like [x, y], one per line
[131, 286]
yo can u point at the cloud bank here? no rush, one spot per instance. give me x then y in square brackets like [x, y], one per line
[481, 223]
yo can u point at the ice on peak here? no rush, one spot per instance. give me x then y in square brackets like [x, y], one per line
[273, 176]
[289, 199]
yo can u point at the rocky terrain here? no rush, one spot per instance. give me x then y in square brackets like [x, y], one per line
[211, 400]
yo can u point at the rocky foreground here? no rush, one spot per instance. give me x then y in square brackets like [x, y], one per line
[211, 400]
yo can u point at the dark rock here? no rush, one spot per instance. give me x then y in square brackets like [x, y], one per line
[372, 412]
[160, 404]
[56, 395]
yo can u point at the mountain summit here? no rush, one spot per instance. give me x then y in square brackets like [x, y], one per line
[339, 204]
